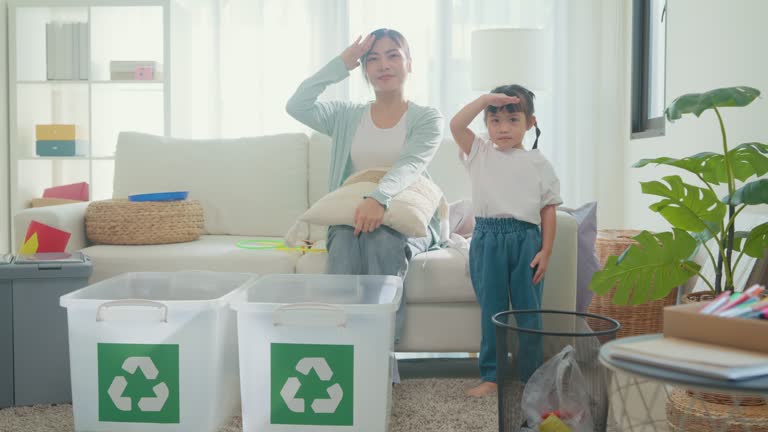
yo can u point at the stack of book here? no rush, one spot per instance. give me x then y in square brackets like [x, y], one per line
[696, 358]
[67, 51]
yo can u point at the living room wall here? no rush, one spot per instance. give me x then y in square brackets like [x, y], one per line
[710, 44]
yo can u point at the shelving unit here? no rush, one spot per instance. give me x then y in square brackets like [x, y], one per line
[137, 30]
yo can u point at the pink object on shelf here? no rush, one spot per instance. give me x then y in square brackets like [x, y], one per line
[74, 191]
[144, 73]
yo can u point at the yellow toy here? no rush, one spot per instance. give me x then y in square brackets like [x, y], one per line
[553, 424]
[263, 244]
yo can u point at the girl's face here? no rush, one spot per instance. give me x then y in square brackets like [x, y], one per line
[386, 66]
[507, 129]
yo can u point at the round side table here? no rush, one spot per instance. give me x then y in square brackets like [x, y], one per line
[647, 398]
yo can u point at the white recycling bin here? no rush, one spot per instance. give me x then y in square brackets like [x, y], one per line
[154, 352]
[316, 352]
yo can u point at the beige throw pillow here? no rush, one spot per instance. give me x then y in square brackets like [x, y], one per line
[409, 212]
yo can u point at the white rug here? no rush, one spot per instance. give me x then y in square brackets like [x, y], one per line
[419, 405]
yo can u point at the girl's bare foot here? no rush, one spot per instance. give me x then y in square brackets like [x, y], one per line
[483, 389]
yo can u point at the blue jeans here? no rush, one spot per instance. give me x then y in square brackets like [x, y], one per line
[381, 252]
[499, 264]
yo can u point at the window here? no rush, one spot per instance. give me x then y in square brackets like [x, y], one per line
[649, 20]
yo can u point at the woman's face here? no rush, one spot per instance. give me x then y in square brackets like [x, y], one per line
[386, 66]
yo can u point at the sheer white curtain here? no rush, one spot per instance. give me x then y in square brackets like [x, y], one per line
[236, 62]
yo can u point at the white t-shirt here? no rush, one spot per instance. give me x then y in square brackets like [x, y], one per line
[513, 183]
[374, 147]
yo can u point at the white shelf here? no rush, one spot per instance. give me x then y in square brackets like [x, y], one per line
[66, 158]
[99, 82]
[100, 107]
[55, 158]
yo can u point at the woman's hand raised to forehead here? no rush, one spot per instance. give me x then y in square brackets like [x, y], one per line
[352, 54]
[500, 99]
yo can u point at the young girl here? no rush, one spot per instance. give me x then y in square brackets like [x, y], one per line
[514, 190]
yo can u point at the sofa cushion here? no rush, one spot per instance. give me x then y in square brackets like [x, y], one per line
[588, 263]
[437, 276]
[247, 186]
[409, 211]
[446, 171]
[319, 166]
[210, 252]
[441, 276]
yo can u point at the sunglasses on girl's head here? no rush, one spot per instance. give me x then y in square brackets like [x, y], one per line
[511, 108]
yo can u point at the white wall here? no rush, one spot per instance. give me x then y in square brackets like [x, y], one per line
[710, 44]
[5, 226]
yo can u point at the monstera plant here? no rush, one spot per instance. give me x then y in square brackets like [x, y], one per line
[659, 262]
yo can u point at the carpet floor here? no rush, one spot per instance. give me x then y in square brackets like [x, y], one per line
[419, 405]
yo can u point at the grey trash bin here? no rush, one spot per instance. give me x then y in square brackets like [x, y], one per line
[6, 338]
[34, 348]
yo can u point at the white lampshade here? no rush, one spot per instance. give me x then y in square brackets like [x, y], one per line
[511, 56]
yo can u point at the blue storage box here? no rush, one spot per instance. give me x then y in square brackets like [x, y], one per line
[60, 148]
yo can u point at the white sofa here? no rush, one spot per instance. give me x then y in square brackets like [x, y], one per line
[256, 188]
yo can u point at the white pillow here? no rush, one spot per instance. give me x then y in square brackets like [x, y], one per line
[409, 212]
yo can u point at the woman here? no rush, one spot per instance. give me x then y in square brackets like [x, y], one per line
[389, 131]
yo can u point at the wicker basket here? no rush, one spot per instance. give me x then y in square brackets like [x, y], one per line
[123, 222]
[635, 320]
[687, 412]
[697, 297]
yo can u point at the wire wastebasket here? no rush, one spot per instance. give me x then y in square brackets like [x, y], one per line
[527, 340]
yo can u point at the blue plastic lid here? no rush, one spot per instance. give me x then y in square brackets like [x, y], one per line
[160, 196]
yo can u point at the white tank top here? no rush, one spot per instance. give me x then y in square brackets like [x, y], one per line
[374, 147]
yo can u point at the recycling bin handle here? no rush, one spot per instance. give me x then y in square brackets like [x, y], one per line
[340, 318]
[133, 303]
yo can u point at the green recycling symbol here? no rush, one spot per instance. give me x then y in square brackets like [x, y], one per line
[312, 384]
[138, 383]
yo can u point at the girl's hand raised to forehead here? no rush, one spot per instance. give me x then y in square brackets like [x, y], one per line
[500, 99]
[352, 54]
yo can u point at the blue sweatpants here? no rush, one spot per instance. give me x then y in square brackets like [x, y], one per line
[499, 263]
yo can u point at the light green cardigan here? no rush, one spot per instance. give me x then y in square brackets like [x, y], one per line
[339, 120]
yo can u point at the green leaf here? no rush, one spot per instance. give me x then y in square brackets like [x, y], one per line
[697, 103]
[747, 160]
[685, 206]
[757, 241]
[706, 235]
[649, 270]
[738, 239]
[753, 193]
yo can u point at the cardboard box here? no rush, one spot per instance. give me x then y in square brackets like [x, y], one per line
[685, 322]
[45, 202]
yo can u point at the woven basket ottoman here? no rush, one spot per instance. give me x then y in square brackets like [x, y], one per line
[124, 222]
